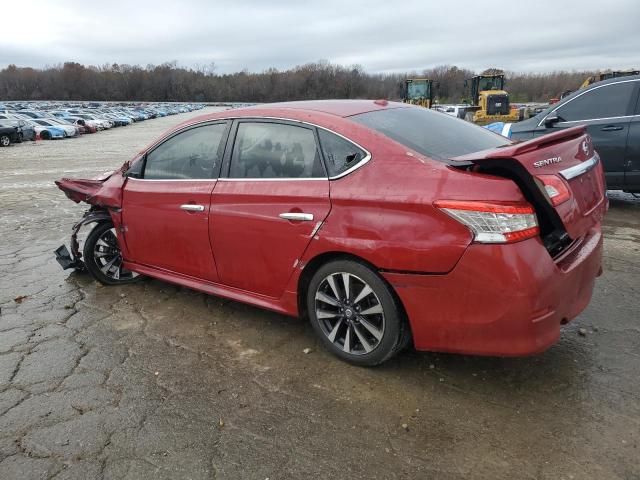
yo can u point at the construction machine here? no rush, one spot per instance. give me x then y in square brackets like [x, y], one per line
[418, 91]
[489, 101]
[609, 74]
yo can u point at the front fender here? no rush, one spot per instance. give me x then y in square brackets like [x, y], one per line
[73, 259]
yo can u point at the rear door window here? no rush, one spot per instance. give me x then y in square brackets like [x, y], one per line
[607, 101]
[192, 154]
[275, 150]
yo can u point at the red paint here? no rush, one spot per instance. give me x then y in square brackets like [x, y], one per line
[500, 299]
[460, 296]
[160, 234]
[248, 235]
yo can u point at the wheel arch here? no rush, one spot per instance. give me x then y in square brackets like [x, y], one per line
[316, 262]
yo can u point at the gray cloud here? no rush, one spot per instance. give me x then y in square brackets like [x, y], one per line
[381, 36]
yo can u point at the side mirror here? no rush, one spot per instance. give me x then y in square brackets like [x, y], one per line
[551, 120]
[133, 169]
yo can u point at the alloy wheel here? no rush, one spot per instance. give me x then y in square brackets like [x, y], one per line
[5, 141]
[349, 313]
[108, 257]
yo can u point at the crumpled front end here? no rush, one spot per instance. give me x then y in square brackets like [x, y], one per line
[105, 191]
[104, 194]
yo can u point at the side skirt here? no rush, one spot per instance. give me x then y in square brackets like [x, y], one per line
[269, 303]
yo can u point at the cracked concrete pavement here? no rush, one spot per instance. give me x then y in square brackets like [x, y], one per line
[156, 381]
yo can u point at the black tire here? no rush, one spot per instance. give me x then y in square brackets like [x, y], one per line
[373, 337]
[45, 135]
[20, 138]
[5, 140]
[98, 253]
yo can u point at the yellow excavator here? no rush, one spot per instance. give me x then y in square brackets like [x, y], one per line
[489, 101]
[418, 91]
[606, 75]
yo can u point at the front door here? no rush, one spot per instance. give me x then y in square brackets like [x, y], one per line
[264, 213]
[166, 211]
[607, 113]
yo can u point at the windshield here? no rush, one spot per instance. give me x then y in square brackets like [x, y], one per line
[431, 133]
[490, 83]
[417, 89]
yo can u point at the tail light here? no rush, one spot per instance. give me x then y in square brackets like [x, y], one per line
[555, 187]
[493, 222]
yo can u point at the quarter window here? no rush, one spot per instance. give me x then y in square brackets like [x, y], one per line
[340, 154]
[192, 154]
[604, 102]
[274, 150]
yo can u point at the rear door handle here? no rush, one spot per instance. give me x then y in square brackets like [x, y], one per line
[611, 128]
[190, 207]
[295, 216]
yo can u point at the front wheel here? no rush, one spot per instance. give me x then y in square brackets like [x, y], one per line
[102, 256]
[355, 313]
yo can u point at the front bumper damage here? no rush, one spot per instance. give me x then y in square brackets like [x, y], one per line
[72, 258]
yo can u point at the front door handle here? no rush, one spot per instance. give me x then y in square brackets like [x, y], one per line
[611, 128]
[295, 216]
[190, 207]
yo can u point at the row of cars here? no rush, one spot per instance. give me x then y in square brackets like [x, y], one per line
[47, 121]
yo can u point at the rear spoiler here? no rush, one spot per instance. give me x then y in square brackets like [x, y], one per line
[515, 149]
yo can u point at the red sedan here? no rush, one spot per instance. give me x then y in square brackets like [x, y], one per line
[380, 222]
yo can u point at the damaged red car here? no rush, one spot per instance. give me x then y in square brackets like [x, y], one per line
[382, 223]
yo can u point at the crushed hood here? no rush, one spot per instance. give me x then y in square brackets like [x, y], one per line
[105, 191]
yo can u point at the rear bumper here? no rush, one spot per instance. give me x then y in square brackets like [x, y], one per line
[503, 300]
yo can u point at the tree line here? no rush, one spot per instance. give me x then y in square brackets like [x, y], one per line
[320, 80]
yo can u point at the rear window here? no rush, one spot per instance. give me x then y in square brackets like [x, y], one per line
[434, 134]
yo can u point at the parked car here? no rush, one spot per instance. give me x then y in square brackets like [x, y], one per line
[345, 212]
[90, 120]
[611, 112]
[81, 124]
[457, 111]
[32, 114]
[8, 135]
[69, 130]
[47, 132]
[25, 131]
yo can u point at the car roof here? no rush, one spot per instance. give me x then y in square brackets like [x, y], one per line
[320, 111]
[339, 108]
[608, 81]
[616, 80]
[577, 92]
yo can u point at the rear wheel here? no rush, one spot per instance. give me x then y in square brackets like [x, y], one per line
[355, 314]
[102, 256]
[5, 140]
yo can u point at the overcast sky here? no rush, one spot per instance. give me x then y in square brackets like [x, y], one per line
[382, 36]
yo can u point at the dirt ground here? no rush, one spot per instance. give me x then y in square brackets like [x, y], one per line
[155, 381]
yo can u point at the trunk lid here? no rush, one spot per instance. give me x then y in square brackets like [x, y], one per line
[567, 155]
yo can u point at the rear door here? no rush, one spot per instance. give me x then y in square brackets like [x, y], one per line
[606, 111]
[265, 210]
[632, 160]
[166, 211]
